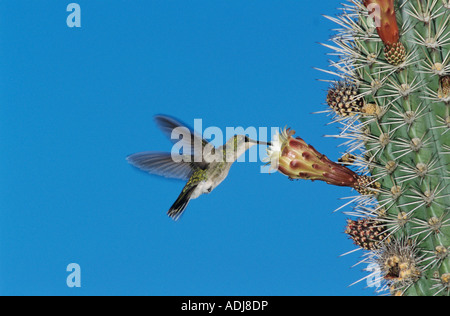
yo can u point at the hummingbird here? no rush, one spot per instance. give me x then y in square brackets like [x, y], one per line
[203, 165]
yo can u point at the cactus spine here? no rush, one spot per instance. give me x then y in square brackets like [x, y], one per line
[396, 56]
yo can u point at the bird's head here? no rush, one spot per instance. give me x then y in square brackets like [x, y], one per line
[239, 144]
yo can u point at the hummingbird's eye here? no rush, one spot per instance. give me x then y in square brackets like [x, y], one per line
[247, 139]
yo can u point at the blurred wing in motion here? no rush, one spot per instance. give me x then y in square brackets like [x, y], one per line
[189, 137]
[162, 164]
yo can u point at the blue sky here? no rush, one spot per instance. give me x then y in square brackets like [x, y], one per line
[74, 102]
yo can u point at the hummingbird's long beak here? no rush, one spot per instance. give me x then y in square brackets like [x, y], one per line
[261, 143]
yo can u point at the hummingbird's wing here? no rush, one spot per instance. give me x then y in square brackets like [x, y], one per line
[162, 164]
[190, 138]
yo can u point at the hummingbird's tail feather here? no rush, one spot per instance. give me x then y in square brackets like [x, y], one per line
[180, 204]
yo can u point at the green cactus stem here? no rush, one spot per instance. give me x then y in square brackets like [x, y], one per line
[401, 69]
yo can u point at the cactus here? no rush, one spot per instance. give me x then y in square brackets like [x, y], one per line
[391, 102]
[394, 63]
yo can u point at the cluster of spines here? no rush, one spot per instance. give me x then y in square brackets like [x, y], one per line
[397, 133]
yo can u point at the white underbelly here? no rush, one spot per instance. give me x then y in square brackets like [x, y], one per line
[202, 188]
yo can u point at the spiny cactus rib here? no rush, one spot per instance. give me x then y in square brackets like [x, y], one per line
[392, 103]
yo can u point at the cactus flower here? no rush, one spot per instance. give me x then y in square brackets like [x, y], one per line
[296, 159]
[387, 29]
